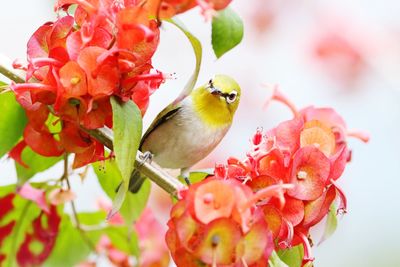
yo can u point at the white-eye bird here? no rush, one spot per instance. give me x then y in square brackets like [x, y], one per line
[186, 132]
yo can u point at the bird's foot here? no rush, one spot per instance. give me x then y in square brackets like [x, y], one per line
[185, 176]
[146, 156]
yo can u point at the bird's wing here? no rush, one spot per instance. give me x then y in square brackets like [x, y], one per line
[167, 113]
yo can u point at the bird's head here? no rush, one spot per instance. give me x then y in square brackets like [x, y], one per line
[217, 100]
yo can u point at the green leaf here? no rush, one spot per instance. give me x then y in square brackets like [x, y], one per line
[36, 163]
[70, 248]
[109, 178]
[127, 126]
[331, 224]
[275, 261]
[12, 122]
[92, 218]
[196, 176]
[134, 204]
[293, 257]
[227, 31]
[124, 239]
[197, 49]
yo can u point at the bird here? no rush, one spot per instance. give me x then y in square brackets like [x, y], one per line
[185, 132]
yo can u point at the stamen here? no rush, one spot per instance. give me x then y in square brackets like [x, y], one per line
[214, 258]
[75, 80]
[307, 248]
[17, 64]
[278, 96]
[268, 192]
[214, 243]
[86, 5]
[207, 9]
[289, 237]
[45, 61]
[22, 87]
[301, 175]
[342, 209]
[148, 77]
[363, 136]
[244, 262]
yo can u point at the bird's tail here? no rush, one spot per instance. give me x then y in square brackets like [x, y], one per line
[135, 182]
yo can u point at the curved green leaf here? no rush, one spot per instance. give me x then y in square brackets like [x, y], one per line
[293, 257]
[275, 261]
[227, 31]
[12, 122]
[198, 52]
[127, 126]
[109, 178]
[331, 224]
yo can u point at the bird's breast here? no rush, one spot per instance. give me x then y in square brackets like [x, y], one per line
[183, 140]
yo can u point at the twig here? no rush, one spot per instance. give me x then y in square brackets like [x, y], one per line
[74, 211]
[7, 70]
[105, 136]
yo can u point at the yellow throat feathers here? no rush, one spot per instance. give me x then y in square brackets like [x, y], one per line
[213, 110]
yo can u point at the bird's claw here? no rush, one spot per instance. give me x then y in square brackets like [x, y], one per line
[146, 156]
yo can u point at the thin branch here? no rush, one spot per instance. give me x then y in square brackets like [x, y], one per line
[105, 136]
[8, 71]
[74, 211]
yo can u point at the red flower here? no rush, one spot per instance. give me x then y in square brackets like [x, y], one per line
[217, 223]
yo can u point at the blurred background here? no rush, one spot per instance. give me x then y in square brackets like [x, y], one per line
[341, 54]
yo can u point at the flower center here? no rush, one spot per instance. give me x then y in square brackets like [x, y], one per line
[301, 175]
[75, 80]
[208, 198]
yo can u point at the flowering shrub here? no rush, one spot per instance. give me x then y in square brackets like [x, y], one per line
[92, 68]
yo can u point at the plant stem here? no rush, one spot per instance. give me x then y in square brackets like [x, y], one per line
[8, 71]
[105, 136]
[74, 211]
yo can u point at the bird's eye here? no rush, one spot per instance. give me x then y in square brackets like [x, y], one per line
[231, 97]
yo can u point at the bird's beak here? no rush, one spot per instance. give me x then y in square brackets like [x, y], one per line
[215, 91]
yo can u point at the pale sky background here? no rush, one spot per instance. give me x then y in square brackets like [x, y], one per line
[369, 234]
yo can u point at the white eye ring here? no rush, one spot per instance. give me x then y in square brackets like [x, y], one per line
[231, 97]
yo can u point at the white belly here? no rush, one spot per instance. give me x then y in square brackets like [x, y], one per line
[183, 140]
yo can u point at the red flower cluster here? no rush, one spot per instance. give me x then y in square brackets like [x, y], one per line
[216, 223]
[289, 177]
[75, 64]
